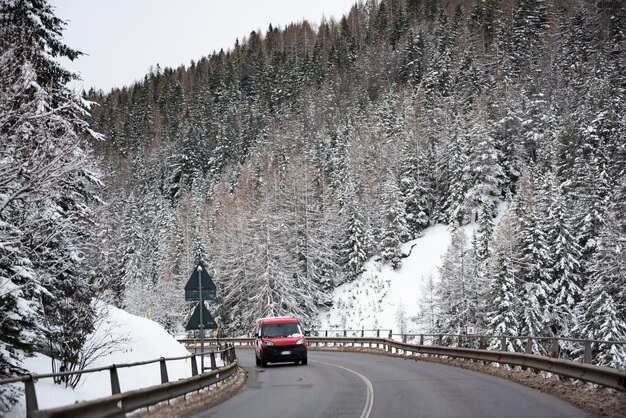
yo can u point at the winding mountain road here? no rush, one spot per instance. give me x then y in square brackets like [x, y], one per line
[336, 384]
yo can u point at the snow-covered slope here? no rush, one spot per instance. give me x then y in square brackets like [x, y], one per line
[373, 299]
[139, 339]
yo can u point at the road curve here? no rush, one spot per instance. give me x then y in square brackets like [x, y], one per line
[356, 385]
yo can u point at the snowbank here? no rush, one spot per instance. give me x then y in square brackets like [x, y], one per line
[140, 340]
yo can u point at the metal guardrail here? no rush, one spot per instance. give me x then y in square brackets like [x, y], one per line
[378, 333]
[123, 402]
[582, 349]
[601, 375]
[576, 349]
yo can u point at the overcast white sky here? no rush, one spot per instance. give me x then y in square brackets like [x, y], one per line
[123, 38]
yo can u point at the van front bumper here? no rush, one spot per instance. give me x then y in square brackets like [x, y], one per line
[283, 353]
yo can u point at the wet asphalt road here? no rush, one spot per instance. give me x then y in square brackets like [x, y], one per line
[337, 384]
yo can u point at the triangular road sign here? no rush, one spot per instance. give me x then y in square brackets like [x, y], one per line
[207, 319]
[192, 288]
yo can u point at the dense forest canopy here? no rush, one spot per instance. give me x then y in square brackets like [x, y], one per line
[290, 159]
[287, 161]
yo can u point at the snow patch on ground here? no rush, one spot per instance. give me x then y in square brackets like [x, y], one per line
[141, 339]
[374, 298]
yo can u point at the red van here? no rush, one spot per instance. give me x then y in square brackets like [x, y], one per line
[278, 340]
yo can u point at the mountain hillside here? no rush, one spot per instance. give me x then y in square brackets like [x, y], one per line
[384, 298]
[403, 300]
[290, 160]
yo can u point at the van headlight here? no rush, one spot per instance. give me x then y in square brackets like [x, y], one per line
[300, 341]
[269, 343]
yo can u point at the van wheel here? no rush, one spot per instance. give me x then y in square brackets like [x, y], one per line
[263, 363]
[258, 360]
[304, 361]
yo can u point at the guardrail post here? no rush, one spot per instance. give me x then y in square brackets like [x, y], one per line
[529, 345]
[440, 341]
[362, 333]
[115, 381]
[213, 366]
[194, 365]
[390, 334]
[587, 351]
[31, 396]
[377, 333]
[460, 342]
[404, 338]
[503, 343]
[345, 333]
[555, 347]
[422, 339]
[326, 333]
[164, 378]
[481, 342]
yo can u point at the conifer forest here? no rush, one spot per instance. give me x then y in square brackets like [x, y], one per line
[287, 161]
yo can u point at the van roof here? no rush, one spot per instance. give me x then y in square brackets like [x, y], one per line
[278, 320]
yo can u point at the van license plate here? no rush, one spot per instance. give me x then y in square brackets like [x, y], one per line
[285, 353]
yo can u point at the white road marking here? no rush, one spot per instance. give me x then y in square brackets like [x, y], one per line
[367, 410]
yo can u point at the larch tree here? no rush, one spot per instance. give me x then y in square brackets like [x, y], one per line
[459, 293]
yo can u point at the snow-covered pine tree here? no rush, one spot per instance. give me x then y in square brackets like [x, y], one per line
[503, 305]
[414, 189]
[355, 242]
[534, 260]
[454, 155]
[128, 271]
[324, 252]
[46, 192]
[529, 23]
[603, 312]
[567, 284]
[172, 258]
[413, 65]
[482, 173]
[395, 230]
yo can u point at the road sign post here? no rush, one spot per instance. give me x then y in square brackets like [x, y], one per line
[199, 270]
[199, 289]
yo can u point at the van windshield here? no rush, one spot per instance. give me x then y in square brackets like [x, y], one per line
[281, 330]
